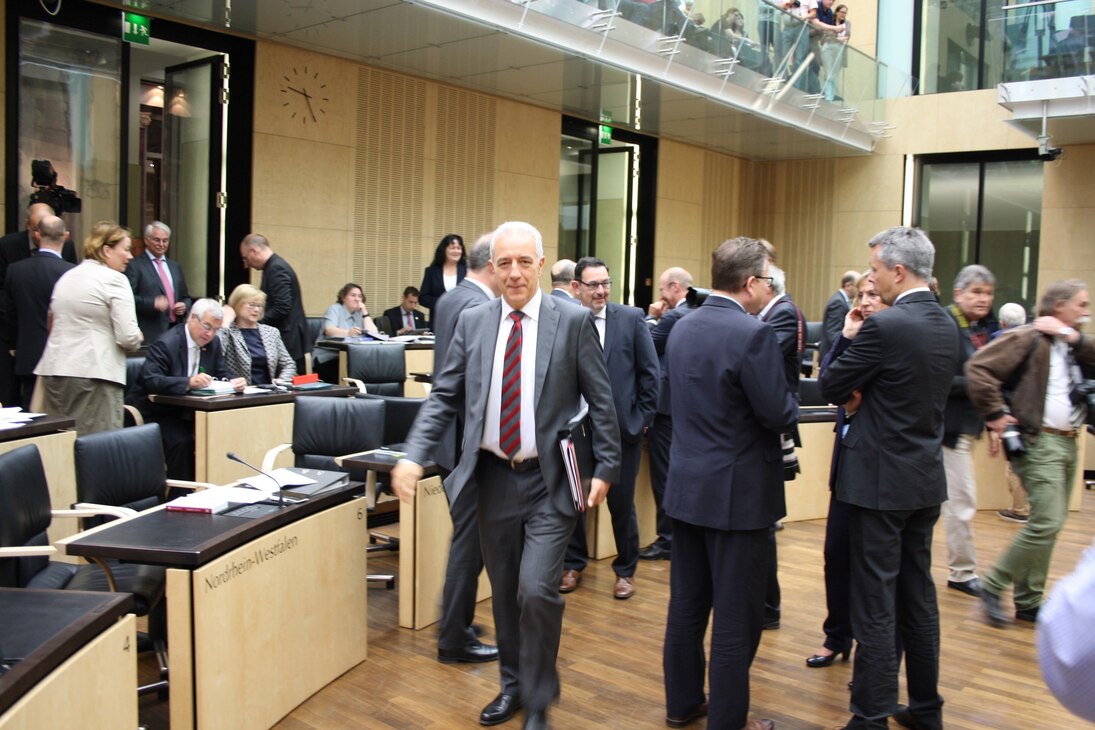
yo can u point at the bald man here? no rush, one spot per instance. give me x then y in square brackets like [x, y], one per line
[562, 273]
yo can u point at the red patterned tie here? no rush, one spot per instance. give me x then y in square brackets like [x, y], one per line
[509, 425]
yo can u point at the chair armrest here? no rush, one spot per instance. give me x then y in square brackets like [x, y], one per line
[185, 484]
[138, 419]
[272, 455]
[338, 459]
[27, 552]
[90, 509]
[360, 385]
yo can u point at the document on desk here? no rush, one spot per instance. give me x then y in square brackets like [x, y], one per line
[14, 417]
[284, 478]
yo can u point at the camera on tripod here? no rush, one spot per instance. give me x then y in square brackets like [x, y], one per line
[46, 190]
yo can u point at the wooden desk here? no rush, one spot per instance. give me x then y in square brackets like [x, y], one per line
[417, 356]
[55, 437]
[262, 613]
[425, 532]
[78, 666]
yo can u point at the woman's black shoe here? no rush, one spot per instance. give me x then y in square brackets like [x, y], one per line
[818, 661]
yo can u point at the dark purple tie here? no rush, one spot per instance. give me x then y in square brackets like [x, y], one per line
[509, 425]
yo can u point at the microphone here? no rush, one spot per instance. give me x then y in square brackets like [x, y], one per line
[234, 457]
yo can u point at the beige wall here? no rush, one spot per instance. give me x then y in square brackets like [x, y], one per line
[394, 164]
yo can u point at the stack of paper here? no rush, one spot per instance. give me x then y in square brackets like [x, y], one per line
[216, 387]
[14, 417]
[285, 478]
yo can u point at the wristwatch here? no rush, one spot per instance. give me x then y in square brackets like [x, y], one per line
[1066, 332]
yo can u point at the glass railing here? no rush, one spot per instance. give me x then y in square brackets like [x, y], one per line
[1047, 39]
[748, 45]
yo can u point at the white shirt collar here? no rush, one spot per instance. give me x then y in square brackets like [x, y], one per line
[530, 310]
[769, 305]
[904, 294]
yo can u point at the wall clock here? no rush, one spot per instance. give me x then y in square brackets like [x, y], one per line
[304, 95]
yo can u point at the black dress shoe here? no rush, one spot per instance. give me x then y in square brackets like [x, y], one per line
[655, 551]
[771, 623]
[905, 718]
[970, 587]
[1027, 614]
[687, 718]
[500, 709]
[473, 653]
[994, 611]
[536, 720]
[817, 661]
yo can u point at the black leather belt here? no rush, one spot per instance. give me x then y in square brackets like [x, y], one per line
[518, 466]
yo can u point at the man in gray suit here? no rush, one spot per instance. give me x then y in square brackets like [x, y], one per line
[456, 639]
[517, 367]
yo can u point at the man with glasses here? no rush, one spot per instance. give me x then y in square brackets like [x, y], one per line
[730, 403]
[181, 360]
[635, 376]
[159, 287]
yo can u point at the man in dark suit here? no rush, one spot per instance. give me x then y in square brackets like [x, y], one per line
[634, 375]
[284, 303]
[783, 316]
[182, 359]
[27, 290]
[673, 286]
[517, 367]
[730, 403]
[891, 475]
[456, 638]
[159, 287]
[562, 273]
[835, 309]
[17, 247]
[405, 317]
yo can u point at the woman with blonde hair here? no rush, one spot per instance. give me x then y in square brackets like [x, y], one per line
[94, 322]
[254, 351]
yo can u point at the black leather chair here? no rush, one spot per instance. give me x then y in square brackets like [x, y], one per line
[809, 393]
[378, 369]
[133, 367]
[25, 516]
[813, 341]
[399, 415]
[315, 329]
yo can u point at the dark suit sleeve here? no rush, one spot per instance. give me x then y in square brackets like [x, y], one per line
[855, 366]
[764, 385]
[68, 252]
[647, 373]
[278, 284]
[834, 319]
[159, 372]
[594, 384]
[659, 333]
[445, 401]
[145, 303]
[428, 293]
[784, 322]
[9, 316]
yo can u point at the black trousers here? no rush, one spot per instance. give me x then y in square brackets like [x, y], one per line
[462, 573]
[838, 622]
[892, 588]
[659, 439]
[177, 435]
[722, 572]
[625, 523]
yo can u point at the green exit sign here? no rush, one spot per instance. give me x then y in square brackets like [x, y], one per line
[136, 28]
[606, 134]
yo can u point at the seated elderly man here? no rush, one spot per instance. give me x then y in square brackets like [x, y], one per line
[182, 359]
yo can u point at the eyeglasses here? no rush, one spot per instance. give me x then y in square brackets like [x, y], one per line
[254, 305]
[595, 285]
[208, 327]
[770, 279]
[154, 239]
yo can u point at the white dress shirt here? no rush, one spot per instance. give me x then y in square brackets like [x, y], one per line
[529, 325]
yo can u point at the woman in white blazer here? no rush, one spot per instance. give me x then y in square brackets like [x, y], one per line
[251, 350]
[82, 370]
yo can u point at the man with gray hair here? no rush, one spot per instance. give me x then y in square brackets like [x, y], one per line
[182, 359]
[1040, 421]
[972, 314]
[891, 476]
[1013, 315]
[159, 287]
[562, 273]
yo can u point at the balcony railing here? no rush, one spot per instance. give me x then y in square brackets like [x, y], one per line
[1047, 39]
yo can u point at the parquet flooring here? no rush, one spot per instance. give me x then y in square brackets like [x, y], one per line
[610, 659]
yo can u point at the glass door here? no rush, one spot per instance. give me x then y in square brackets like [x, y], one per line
[193, 170]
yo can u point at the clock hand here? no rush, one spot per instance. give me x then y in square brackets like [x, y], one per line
[308, 101]
[302, 92]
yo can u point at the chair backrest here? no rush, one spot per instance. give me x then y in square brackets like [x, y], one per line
[324, 428]
[382, 367]
[383, 324]
[813, 333]
[122, 468]
[399, 414]
[133, 367]
[315, 329]
[809, 393]
[24, 513]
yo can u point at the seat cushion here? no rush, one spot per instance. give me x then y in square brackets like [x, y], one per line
[56, 576]
[145, 582]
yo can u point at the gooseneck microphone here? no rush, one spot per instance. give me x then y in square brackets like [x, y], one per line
[233, 457]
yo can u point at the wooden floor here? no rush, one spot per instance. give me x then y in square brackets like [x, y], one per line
[611, 655]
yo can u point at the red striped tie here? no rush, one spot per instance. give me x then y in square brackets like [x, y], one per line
[509, 426]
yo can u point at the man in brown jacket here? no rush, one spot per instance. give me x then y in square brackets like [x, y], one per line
[1041, 364]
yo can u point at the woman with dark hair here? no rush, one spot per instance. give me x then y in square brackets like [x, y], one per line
[447, 270]
[82, 370]
[347, 317]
